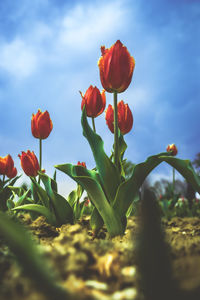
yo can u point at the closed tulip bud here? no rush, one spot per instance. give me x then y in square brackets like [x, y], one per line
[7, 166]
[94, 101]
[172, 148]
[41, 125]
[29, 163]
[83, 164]
[116, 67]
[125, 117]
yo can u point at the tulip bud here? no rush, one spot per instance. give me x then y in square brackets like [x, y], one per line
[81, 164]
[116, 67]
[29, 163]
[125, 117]
[41, 125]
[172, 148]
[94, 101]
[7, 166]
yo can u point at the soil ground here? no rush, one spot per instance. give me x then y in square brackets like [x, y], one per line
[100, 268]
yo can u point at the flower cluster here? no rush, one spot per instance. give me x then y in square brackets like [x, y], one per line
[116, 67]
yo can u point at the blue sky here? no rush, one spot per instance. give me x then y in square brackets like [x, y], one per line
[49, 51]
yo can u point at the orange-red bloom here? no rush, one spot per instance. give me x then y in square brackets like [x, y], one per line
[94, 101]
[116, 67]
[7, 166]
[172, 148]
[83, 164]
[125, 117]
[29, 163]
[41, 125]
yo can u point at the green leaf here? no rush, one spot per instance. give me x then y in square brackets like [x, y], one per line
[40, 210]
[62, 209]
[89, 181]
[40, 193]
[72, 197]
[19, 191]
[109, 175]
[129, 189]
[10, 204]
[122, 149]
[21, 199]
[96, 221]
[185, 168]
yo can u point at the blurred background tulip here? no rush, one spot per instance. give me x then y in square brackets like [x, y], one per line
[172, 148]
[83, 164]
[7, 166]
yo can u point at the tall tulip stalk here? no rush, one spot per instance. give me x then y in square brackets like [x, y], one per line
[116, 67]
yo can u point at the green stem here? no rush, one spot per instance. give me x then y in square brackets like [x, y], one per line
[40, 156]
[116, 141]
[93, 125]
[173, 181]
[4, 178]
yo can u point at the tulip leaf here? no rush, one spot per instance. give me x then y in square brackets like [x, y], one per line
[109, 175]
[122, 149]
[40, 210]
[41, 193]
[19, 191]
[62, 209]
[96, 221]
[128, 190]
[89, 181]
[185, 168]
[21, 199]
[72, 197]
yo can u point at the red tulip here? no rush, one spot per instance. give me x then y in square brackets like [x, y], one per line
[172, 148]
[125, 117]
[29, 163]
[41, 125]
[116, 68]
[81, 164]
[7, 166]
[94, 101]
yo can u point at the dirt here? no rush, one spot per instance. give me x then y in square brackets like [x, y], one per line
[99, 267]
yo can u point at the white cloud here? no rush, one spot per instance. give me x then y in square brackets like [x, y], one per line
[83, 28]
[17, 58]
[63, 40]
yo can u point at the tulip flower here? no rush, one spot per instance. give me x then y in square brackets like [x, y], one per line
[125, 118]
[94, 101]
[29, 163]
[83, 164]
[7, 166]
[173, 149]
[41, 125]
[116, 67]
